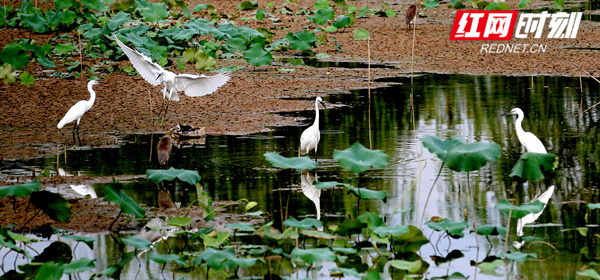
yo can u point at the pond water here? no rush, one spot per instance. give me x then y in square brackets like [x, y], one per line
[469, 107]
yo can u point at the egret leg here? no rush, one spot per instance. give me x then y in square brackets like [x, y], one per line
[165, 113]
[162, 104]
[73, 132]
[78, 135]
[316, 157]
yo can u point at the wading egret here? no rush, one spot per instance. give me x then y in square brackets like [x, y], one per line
[192, 85]
[78, 110]
[311, 136]
[531, 143]
[411, 14]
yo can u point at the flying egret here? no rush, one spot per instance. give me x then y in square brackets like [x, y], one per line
[192, 85]
[78, 110]
[311, 136]
[531, 143]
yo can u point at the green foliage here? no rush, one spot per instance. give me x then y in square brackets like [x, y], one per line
[344, 21]
[363, 12]
[26, 79]
[440, 147]
[486, 230]
[159, 258]
[532, 166]
[128, 206]
[152, 12]
[311, 256]
[158, 175]
[453, 229]
[361, 34]
[260, 14]
[590, 273]
[520, 211]
[179, 221]
[137, 243]
[368, 194]
[306, 223]
[20, 190]
[297, 163]
[321, 4]
[430, 4]
[497, 6]
[257, 56]
[8, 74]
[471, 156]
[410, 266]
[301, 40]
[247, 5]
[322, 16]
[52, 204]
[358, 159]
[14, 55]
[519, 256]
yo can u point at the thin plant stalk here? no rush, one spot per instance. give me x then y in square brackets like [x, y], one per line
[429, 195]
[474, 221]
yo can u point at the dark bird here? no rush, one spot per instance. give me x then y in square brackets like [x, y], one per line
[164, 149]
[411, 14]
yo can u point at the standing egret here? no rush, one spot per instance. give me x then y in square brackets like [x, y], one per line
[311, 136]
[531, 143]
[192, 85]
[78, 110]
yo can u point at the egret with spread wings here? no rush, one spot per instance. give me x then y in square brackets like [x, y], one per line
[192, 85]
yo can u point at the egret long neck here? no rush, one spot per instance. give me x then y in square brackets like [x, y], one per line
[90, 102]
[518, 123]
[316, 113]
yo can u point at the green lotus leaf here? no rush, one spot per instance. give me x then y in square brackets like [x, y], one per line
[361, 34]
[20, 190]
[118, 20]
[53, 204]
[519, 256]
[158, 175]
[297, 163]
[440, 147]
[520, 211]
[14, 55]
[302, 40]
[257, 56]
[247, 5]
[161, 258]
[368, 194]
[136, 242]
[218, 240]
[328, 185]
[410, 266]
[79, 265]
[240, 227]
[344, 21]
[179, 221]
[454, 229]
[590, 273]
[359, 159]
[313, 255]
[34, 22]
[306, 223]
[152, 12]
[471, 156]
[127, 204]
[26, 79]
[410, 242]
[491, 230]
[322, 16]
[321, 4]
[532, 166]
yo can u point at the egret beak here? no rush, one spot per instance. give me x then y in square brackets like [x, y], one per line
[507, 113]
[101, 83]
[159, 76]
[323, 104]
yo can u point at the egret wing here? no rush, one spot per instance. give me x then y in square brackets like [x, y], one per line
[143, 64]
[74, 113]
[199, 85]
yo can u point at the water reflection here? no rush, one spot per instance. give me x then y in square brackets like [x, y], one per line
[310, 190]
[470, 107]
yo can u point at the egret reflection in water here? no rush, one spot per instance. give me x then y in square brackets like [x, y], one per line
[532, 217]
[310, 191]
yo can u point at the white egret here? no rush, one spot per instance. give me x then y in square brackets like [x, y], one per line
[192, 85]
[532, 217]
[531, 143]
[79, 109]
[311, 136]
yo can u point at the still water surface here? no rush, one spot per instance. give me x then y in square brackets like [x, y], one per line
[470, 107]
